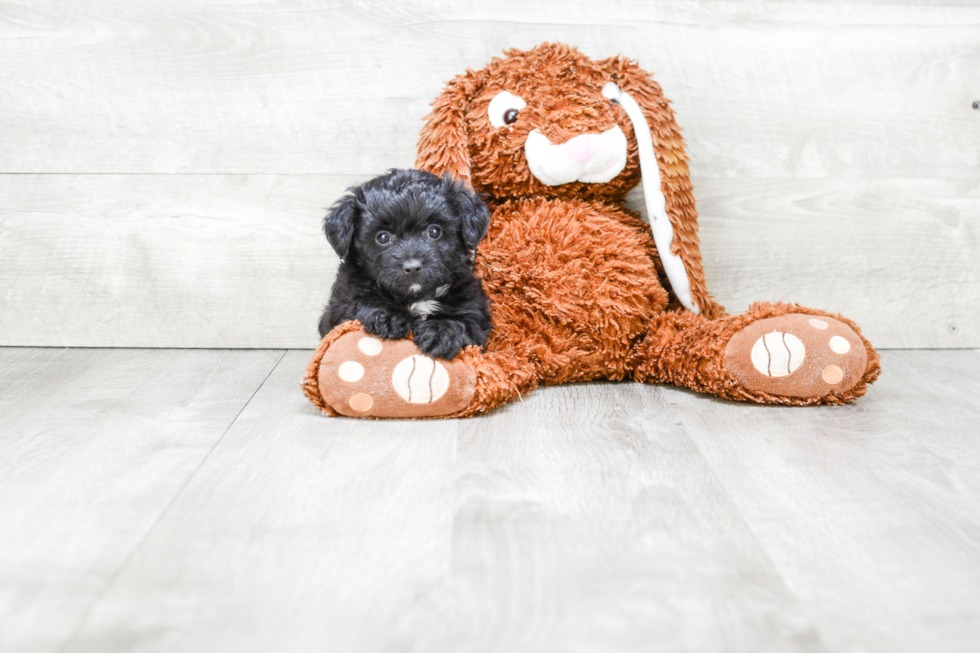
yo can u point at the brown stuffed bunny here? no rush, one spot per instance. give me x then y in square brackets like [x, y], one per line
[580, 287]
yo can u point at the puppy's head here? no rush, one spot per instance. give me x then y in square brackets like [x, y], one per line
[408, 230]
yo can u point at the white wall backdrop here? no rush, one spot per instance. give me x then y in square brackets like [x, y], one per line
[165, 164]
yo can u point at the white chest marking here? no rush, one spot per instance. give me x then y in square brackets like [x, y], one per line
[424, 308]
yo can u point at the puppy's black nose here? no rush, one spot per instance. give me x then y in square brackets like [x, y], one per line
[412, 267]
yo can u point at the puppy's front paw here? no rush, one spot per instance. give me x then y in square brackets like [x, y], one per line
[388, 324]
[441, 338]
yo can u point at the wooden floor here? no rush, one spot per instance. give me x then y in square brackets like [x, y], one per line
[192, 500]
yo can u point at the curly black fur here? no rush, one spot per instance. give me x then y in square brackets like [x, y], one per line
[417, 277]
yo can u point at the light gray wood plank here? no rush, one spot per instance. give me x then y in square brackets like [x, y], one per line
[582, 519]
[239, 260]
[875, 533]
[298, 533]
[772, 97]
[898, 256]
[926, 415]
[807, 89]
[586, 520]
[94, 445]
[606, 517]
[158, 261]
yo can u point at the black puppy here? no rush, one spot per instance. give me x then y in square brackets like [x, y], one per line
[406, 242]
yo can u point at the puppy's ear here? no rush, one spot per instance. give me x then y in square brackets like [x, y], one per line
[340, 223]
[473, 213]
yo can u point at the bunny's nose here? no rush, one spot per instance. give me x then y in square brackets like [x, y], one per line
[582, 148]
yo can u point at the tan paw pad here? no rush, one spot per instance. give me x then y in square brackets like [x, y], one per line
[361, 402]
[796, 355]
[364, 376]
[832, 374]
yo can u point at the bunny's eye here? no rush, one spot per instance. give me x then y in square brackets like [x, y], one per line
[504, 109]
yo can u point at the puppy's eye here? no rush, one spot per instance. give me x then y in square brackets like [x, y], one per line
[433, 232]
[504, 108]
[383, 238]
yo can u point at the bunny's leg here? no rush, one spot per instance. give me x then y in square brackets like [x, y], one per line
[771, 354]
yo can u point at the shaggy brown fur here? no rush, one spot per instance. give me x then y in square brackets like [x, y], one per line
[563, 90]
[574, 278]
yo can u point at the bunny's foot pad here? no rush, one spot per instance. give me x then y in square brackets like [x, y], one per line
[364, 376]
[797, 355]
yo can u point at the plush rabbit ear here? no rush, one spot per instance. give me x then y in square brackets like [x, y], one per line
[444, 142]
[666, 182]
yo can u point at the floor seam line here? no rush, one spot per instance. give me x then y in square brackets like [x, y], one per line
[804, 609]
[156, 522]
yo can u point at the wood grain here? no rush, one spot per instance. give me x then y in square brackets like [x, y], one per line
[898, 256]
[94, 445]
[801, 90]
[298, 533]
[239, 260]
[580, 520]
[586, 520]
[177, 157]
[165, 261]
[592, 517]
[871, 528]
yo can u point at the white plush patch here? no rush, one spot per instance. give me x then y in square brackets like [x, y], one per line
[663, 231]
[424, 308]
[351, 371]
[414, 288]
[420, 380]
[501, 104]
[589, 158]
[370, 346]
[839, 345]
[442, 290]
[778, 354]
